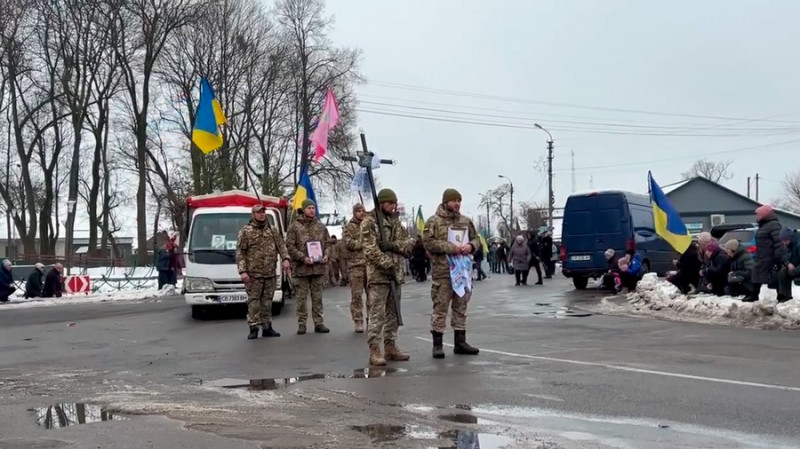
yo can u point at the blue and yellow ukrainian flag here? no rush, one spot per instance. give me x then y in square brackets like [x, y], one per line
[206, 133]
[668, 223]
[420, 221]
[304, 190]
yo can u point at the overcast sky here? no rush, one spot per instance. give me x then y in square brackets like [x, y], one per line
[715, 79]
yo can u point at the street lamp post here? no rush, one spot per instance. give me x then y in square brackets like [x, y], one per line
[550, 199]
[511, 212]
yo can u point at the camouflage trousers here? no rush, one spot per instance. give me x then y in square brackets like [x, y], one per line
[304, 286]
[358, 286]
[445, 298]
[334, 272]
[259, 300]
[345, 271]
[382, 319]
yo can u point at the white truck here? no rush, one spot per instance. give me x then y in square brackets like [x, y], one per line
[211, 279]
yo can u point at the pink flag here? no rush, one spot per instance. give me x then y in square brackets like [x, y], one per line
[327, 121]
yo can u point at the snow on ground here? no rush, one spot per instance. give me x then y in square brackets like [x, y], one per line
[659, 298]
[17, 302]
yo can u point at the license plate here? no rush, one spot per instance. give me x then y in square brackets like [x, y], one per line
[232, 298]
[581, 258]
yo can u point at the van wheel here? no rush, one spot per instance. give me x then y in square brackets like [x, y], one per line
[276, 308]
[198, 312]
[645, 267]
[580, 282]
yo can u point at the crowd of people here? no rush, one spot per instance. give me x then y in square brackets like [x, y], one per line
[730, 268]
[37, 285]
[531, 250]
[378, 252]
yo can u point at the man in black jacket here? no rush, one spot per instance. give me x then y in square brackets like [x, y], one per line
[791, 269]
[33, 286]
[53, 286]
[771, 253]
[536, 250]
[740, 276]
[689, 266]
[715, 273]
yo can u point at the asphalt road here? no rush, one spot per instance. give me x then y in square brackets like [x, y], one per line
[548, 376]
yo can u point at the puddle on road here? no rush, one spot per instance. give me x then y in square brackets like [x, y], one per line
[72, 414]
[453, 439]
[276, 383]
[561, 313]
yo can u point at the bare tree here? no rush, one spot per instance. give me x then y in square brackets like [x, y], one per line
[146, 26]
[713, 171]
[316, 65]
[497, 200]
[791, 192]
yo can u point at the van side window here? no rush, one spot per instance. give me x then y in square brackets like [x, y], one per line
[642, 218]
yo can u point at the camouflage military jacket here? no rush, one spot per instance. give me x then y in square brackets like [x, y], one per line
[435, 239]
[302, 231]
[333, 253]
[351, 236]
[257, 249]
[382, 267]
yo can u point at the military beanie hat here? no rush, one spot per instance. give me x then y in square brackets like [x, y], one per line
[387, 196]
[450, 195]
[308, 202]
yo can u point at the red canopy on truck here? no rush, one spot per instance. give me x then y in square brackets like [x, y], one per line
[235, 198]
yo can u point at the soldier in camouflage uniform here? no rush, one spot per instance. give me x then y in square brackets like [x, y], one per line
[257, 249]
[334, 274]
[384, 260]
[308, 275]
[351, 237]
[448, 215]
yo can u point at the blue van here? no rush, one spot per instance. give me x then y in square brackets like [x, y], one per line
[596, 221]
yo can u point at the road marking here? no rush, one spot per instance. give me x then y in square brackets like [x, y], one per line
[634, 370]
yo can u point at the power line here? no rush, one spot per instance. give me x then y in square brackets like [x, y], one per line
[561, 104]
[677, 158]
[555, 128]
[532, 120]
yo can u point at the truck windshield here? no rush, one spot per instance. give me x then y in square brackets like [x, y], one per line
[218, 232]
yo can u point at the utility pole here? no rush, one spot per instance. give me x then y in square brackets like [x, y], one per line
[748, 187]
[591, 182]
[551, 200]
[488, 221]
[756, 186]
[572, 152]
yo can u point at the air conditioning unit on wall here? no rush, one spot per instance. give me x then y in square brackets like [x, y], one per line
[717, 219]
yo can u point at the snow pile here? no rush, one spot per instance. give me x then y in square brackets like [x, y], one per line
[17, 302]
[659, 298]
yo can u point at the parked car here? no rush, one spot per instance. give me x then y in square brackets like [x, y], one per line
[745, 233]
[594, 222]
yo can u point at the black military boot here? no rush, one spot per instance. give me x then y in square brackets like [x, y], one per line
[253, 333]
[461, 345]
[268, 331]
[438, 351]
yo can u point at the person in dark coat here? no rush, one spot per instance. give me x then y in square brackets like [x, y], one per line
[631, 271]
[7, 287]
[502, 258]
[478, 261]
[546, 254]
[715, 272]
[689, 266]
[740, 275]
[536, 249]
[33, 285]
[418, 256]
[611, 279]
[520, 257]
[53, 287]
[791, 269]
[771, 253]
